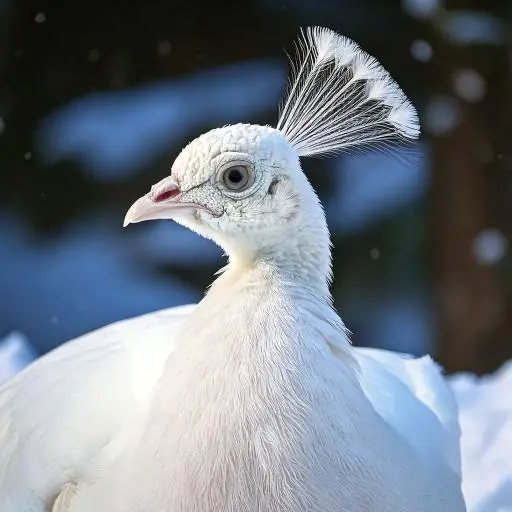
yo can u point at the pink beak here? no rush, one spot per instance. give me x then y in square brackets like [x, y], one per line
[162, 202]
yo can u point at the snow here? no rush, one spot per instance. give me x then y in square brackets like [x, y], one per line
[15, 354]
[486, 422]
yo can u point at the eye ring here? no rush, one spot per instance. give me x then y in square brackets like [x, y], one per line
[236, 176]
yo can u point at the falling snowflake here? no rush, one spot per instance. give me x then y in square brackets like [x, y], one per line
[423, 9]
[374, 254]
[442, 114]
[421, 50]
[469, 85]
[490, 246]
[164, 48]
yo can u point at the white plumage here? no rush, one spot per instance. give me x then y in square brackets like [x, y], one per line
[340, 97]
[254, 399]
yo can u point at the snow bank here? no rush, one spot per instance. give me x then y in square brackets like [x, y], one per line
[15, 354]
[486, 421]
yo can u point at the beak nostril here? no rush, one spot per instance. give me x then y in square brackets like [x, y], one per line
[165, 195]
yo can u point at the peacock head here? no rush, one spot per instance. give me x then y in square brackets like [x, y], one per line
[242, 185]
[235, 185]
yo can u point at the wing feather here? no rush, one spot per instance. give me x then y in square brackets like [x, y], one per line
[414, 398]
[60, 417]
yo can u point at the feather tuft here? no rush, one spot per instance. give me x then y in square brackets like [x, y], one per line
[340, 97]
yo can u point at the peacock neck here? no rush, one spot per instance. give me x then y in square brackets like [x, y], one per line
[242, 392]
[298, 257]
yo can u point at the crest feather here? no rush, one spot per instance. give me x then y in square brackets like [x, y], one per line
[340, 97]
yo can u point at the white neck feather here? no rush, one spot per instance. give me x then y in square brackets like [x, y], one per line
[299, 254]
[242, 393]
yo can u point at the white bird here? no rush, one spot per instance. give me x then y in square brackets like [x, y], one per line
[253, 400]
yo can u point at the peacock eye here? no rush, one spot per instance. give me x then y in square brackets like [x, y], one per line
[236, 177]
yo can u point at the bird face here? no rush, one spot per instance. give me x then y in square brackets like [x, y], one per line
[232, 184]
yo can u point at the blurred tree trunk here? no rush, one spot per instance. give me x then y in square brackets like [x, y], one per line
[471, 301]
[501, 349]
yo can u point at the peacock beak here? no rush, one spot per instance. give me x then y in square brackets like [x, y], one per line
[162, 202]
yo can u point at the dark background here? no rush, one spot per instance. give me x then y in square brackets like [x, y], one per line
[97, 98]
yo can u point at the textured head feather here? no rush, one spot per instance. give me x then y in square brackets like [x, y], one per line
[340, 97]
